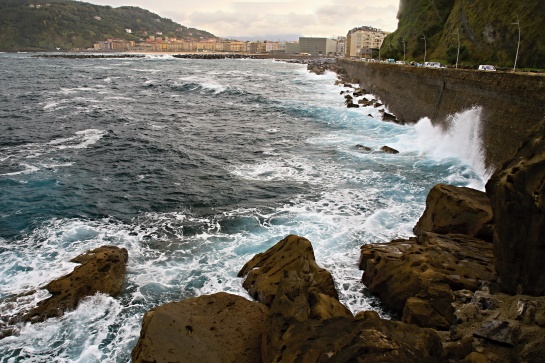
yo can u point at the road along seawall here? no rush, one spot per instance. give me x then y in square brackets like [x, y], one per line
[511, 103]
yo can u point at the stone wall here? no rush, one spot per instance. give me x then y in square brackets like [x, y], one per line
[512, 104]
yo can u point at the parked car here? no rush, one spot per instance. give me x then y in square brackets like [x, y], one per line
[432, 65]
[487, 67]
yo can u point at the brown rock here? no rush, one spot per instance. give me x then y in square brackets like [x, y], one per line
[505, 331]
[476, 358]
[389, 117]
[351, 340]
[363, 147]
[287, 279]
[210, 328]
[429, 268]
[293, 253]
[498, 331]
[451, 209]
[517, 194]
[367, 315]
[364, 103]
[101, 270]
[389, 150]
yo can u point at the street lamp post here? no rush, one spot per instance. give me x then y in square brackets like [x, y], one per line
[458, 53]
[403, 41]
[425, 47]
[518, 44]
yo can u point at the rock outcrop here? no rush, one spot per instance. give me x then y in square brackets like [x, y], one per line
[287, 279]
[211, 328]
[517, 193]
[451, 209]
[101, 270]
[352, 340]
[264, 272]
[448, 281]
[389, 150]
[501, 328]
[419, 276]
[306, 321]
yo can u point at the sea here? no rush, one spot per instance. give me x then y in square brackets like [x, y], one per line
[195, 166]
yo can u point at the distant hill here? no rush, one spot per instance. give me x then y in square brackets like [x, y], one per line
[45, 25]
[486, 29]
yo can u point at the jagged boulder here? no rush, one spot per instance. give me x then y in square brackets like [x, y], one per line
[287, 279]
[347, 339]
[389, 117]
[418, 276]
[210, 328]
[264, 271]
[451, 209]
[363, 147]
[364, 102]
[517, 193]
[101, 270]
[389, 150]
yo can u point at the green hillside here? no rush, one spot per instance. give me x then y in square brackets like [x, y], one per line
[486, 30]
[72, 24]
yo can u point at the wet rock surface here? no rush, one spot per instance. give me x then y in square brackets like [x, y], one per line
[101, 270]
[517, 194]
[451, 209]
[302, 322]
[418, 276]
[210, 328]
[352, 340]
[445, 278]
[389, 150]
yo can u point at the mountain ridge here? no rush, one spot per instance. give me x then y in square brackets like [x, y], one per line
[49, 24]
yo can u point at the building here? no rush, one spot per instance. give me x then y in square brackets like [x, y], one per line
[361, 41]
[292, 47]
[114, 44]
[341, 46]
[318, 46]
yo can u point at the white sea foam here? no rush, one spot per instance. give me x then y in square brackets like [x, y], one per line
[353, 198]
[24, 155]
[29, 169]
[461, 140]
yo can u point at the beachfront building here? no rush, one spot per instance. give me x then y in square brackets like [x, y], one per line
[271, 47]
[318, 46]
[361, 41]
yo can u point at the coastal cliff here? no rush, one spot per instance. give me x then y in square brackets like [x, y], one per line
[486, 30]
[511, 104]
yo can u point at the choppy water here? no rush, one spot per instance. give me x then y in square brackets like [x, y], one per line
[194, 167]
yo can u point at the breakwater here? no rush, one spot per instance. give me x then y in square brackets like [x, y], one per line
[511, 103]
[87, 56]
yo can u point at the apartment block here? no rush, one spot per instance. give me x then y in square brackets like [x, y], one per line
[361, 41]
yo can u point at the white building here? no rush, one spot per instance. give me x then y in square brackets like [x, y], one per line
[361, 41]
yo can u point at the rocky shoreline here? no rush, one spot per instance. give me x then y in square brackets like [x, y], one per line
[457, 285]
[468, 287]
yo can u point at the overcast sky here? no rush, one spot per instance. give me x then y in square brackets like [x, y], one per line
[271, 20]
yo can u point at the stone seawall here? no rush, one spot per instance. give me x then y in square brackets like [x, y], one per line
[512, 104]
